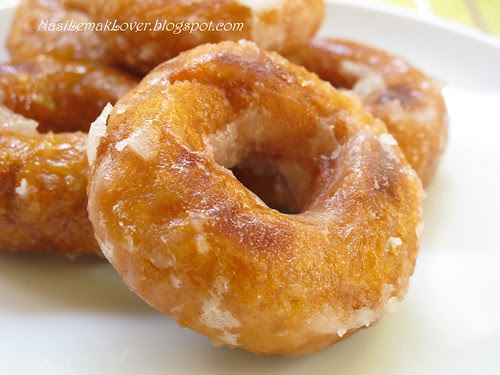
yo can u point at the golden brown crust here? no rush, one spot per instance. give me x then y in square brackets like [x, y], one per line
[195, 243]
[280, 25]
[43, 177]
[409, 102]
[61, 95]
[28, 37]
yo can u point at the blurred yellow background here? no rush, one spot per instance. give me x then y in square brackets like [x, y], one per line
[480, 14]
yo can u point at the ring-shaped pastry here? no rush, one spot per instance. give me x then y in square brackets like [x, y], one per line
[195, 243]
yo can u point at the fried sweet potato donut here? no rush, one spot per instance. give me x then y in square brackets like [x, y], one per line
[279, 25]
[31, 33]
[61, 95]
[409, 102]
[43, 177]
[195, 243]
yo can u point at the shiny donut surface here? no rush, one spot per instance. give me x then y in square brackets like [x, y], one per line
[32, 34]
[43, 177]
[409, 102]
[277, 25]
[61, 95]
[195, 243]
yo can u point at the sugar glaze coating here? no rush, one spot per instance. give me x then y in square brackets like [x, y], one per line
[277, 25]
[190, 239]
[409, 102]
[43, 176]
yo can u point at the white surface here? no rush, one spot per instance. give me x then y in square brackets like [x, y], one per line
[58, 317]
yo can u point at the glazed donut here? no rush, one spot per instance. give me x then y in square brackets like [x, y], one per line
[282, 26]
[195, 243]
[61, 95]
[43, 177]
[31, 33]
[409, 102]
[42, 192]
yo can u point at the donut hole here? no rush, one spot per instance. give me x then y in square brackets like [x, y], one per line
[280, 169]
[278, 159]
[403, 93]
[265, 179]
[367, 82]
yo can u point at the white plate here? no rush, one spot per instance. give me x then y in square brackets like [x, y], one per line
[58, 317]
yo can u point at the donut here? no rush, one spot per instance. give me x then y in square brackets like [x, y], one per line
[61, 95]
[195, 243]
[154, 31]
[43, 27]
[43, 177]
[409, 102]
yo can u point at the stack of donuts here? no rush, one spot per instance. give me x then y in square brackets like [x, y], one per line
[259, 186]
